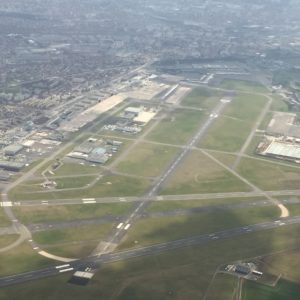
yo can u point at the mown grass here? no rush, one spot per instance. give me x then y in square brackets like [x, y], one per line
[284, 290]
[177, 127]
[69, 235]
[227, 134]
[108, 186]
[199, 174]
[41, 214]
[177, 227]
[178, 204]
[202, 97]
[147, 160]
[269, 176]
[223, 287]
[243, 85]
[181, 274]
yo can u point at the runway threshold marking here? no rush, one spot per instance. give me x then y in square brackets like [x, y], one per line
[66, 270]
[120, 225]
[127, 227]
[88, 200]
[62, 266]
[6, 204]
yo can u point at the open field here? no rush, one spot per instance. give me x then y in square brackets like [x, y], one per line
[107, 186]
[243, 85]
[3, 219]
[202, 97]
[253, 145]
[285, 290]
[226, 134]
[69, 168]
[176, 275]
[265, 122]
[147, 160]
[21, 259]
[74, 249]
[246, 107]
[286, 264]
[178, 204]
[41, 214]
[35, 185]
[73, 182]
[6, 240]
[178, 127]
[172, 228]
[231, 130]
[294, 209]
[269, 176]
[69, 235]
[223, 287]
[278, 104]
[199, 174]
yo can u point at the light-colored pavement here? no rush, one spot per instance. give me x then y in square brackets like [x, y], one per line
[253, 131]
[148, 250]
[116, 236]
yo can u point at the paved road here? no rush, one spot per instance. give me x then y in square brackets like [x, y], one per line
[115, 237]
[19, 228]
[186, 197]
[159, 214]
[96, 261]
[252, 133]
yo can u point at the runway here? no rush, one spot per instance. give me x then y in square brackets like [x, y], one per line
[96, 261]
[103, 200]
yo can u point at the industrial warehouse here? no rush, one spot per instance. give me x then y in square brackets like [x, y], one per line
[132, 119]
[97, 151]
[282, 139]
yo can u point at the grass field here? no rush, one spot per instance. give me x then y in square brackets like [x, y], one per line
[69, 235]
[223, 287]
[285, 290]
[172, 228]
[246, 107]
[243, 85]
[21, 259]
[176, 275]
[199, 174]
[202, 97]
[75, 168]
[41, 214]
[231, 130]
[35, 185]
[3, 219]
[286, 264]
[73, 182]
[178, 127]
[253, 145]
[108, 186]
[178, 204]
[294, 209]
[278, 104]
[269, 176]
[74, 249]
[147, 159]
[6, 240]
[226, 134]
[267, 119]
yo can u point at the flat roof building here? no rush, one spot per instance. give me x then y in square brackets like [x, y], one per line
[283, 124]
[284, 150]
[13, 150]
[11, 165]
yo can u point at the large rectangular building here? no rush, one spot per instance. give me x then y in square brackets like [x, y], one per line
[13, 150]
[283, 124]
[283, 150]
